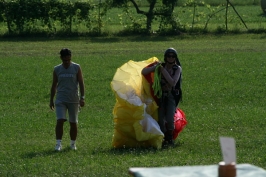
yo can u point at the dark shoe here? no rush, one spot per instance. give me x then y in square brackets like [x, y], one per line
[164, 144]
[171, 143]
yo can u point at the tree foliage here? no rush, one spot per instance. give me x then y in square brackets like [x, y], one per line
[156, 8]
[23, 15]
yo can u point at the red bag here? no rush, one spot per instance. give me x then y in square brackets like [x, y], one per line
[179, 121]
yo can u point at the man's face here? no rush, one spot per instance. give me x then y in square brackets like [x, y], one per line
[66, 60]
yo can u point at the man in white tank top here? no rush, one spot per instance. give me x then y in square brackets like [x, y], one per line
[67, 79]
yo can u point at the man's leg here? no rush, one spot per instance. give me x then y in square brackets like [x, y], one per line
[73, 135]
[73, 131]
[59, 128]
[73, 121]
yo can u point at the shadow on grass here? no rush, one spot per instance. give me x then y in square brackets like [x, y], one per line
[109, 39]
[50, 152]
[129, 38]
[137, 150]
[262, 15]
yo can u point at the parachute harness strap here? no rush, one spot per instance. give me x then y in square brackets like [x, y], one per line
[156, 86]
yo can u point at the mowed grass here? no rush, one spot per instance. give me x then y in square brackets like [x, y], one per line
[224, 95]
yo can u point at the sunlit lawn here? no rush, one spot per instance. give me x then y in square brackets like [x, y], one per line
[224, 93]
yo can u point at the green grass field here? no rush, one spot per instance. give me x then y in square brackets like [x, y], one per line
[224, 91]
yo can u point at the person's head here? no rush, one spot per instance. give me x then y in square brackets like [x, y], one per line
[170, 56]
[65, 55]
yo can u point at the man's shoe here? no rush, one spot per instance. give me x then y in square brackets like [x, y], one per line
[58, 147]
[73, 147]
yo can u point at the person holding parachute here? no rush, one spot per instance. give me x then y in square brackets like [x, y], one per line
[147, 94]
[167, 91]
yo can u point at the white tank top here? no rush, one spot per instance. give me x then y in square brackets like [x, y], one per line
[67, 87]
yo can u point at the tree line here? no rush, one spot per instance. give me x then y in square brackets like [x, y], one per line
[47, 16]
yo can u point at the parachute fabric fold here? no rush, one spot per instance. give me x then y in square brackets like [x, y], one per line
[135, 108]
[179, 121]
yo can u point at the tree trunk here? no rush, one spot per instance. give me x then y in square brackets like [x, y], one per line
[150, 15]
[149, 22]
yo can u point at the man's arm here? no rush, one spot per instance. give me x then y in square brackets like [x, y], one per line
[53, 90]
[81, 87]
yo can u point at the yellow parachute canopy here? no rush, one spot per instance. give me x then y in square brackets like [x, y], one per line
[135, 111]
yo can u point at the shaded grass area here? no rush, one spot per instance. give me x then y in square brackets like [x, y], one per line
[223, 96]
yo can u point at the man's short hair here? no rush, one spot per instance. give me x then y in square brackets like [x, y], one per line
[65, 52]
